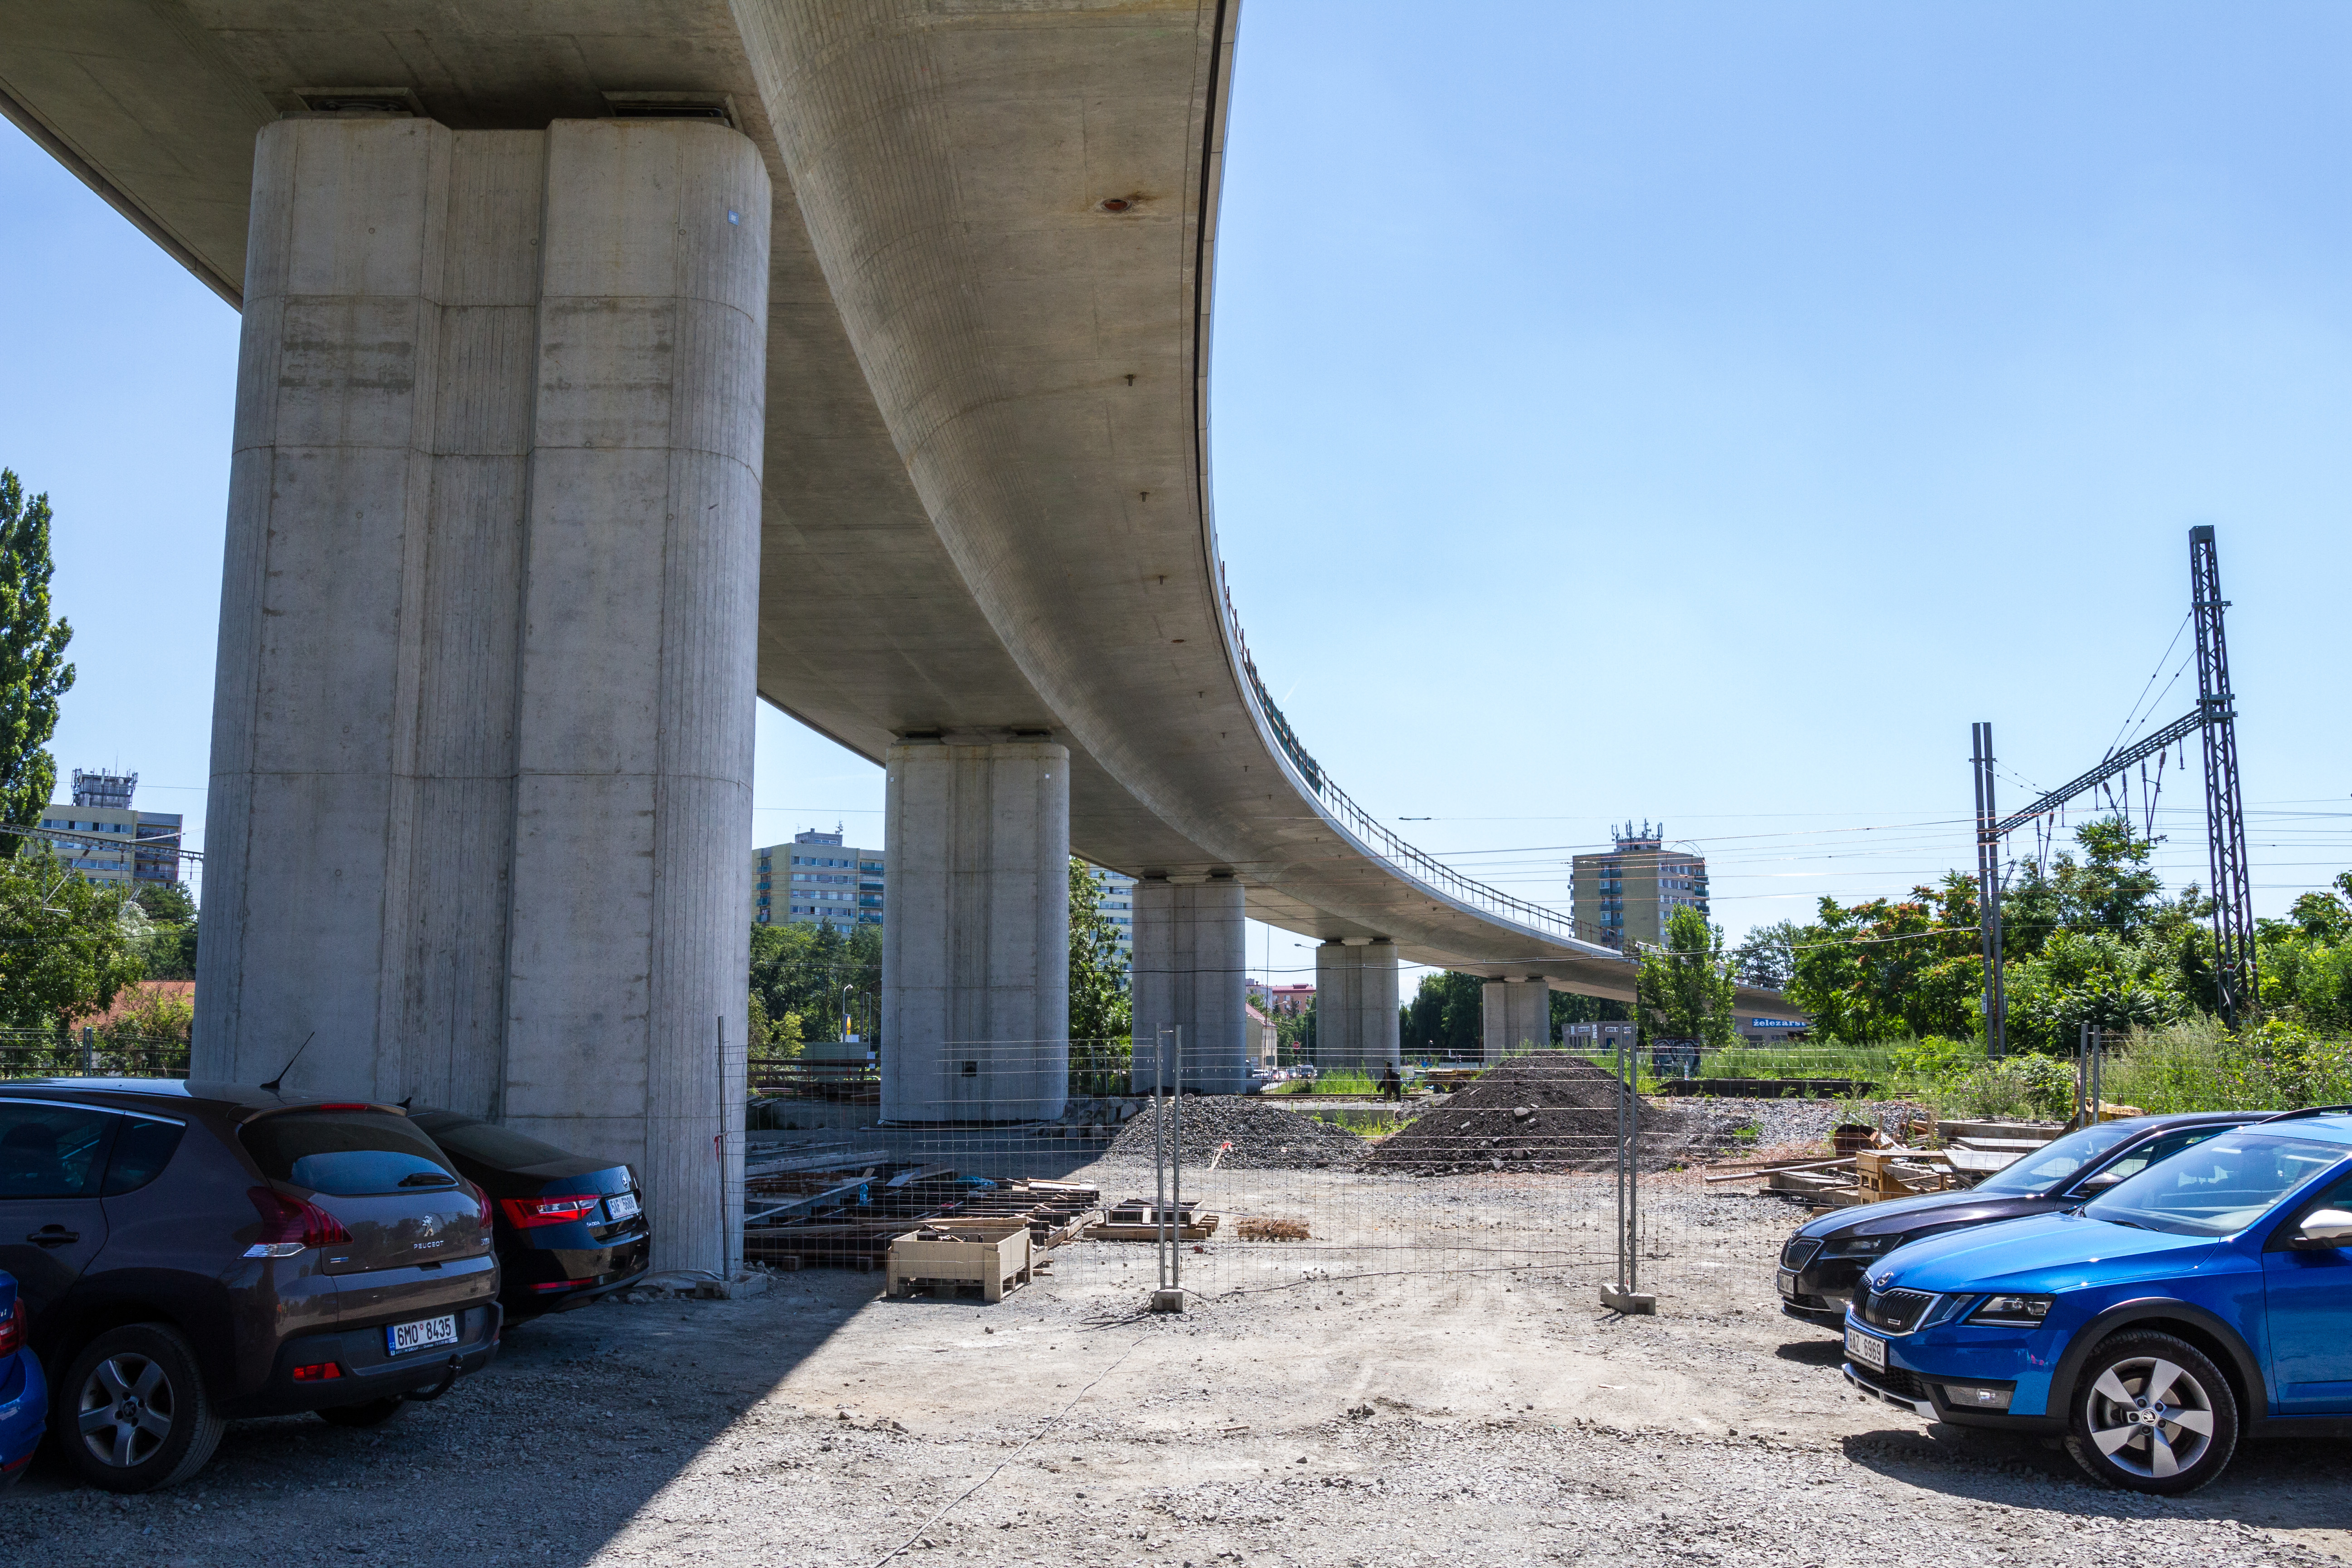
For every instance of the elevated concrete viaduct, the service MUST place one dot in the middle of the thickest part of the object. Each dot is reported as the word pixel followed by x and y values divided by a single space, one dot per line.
pixel 581 340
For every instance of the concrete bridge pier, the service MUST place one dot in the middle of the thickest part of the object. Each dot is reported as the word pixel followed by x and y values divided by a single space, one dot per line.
pixel 1356 1023
pixel 482 766
pixel 1190 971
pixel 975 955
pixel 1516 1016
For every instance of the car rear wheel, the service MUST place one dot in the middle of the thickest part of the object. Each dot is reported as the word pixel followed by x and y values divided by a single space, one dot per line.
pixel 140 1419
pixel 2153 1414
pixel 374 1413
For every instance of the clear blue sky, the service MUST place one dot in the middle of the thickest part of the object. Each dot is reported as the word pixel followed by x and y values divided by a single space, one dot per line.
pixel 1702 413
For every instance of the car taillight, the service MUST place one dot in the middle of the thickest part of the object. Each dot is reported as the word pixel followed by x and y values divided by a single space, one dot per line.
pixel 528 1212
pixel 482 1208
pixel 13 1329
pixel 321 1372
pixel 290 1224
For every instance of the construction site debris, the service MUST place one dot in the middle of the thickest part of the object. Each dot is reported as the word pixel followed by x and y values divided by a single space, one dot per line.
pixel 1547 1111
pixel 1257 1228
pixel 1770 1087
pixel 1241 1133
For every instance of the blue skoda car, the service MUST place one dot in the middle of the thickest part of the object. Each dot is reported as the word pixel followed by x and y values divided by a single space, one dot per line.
pixel 2204 1298
pixel 24 1397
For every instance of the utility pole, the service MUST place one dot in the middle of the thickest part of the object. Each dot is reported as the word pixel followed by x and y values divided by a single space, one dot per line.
pixel 1989 841
pixel 2225 816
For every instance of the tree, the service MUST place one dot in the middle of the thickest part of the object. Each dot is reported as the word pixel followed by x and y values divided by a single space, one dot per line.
pixel 167 949
pixel 1100 1005
pixel 156 1013
pixel 803 971
pixel 65 949
pixel 1294 1036
pixel 1878 970
pixel 1766 957
pixel 1446 1016
pixel 1685 987
pixel 33 671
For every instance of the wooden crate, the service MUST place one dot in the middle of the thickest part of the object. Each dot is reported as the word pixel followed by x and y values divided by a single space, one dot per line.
pixel 993 1254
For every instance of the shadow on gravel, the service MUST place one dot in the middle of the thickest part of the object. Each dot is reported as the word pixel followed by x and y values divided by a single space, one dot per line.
pixel 2277 1483
pixel 1813 1352
pixel 584 1420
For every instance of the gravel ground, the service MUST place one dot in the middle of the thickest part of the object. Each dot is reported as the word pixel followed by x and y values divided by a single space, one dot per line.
pixel 1345 1412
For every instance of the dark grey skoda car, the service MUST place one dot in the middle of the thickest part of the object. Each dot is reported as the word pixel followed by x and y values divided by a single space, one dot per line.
pixel 1822 1262
pixel 190 1253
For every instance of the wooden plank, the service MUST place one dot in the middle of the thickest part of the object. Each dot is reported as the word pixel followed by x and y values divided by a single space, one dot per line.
pixel 1109 1232
pixel 1782 1170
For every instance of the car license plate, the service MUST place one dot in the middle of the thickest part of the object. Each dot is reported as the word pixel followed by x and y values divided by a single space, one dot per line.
pixel 1867 1348
pixel 423 1334
pixel 621 1206
pixel 1787 1280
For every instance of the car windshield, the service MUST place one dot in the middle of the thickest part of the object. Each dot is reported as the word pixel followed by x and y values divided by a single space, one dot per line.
pixel 2221 1186
pixel 2058 1161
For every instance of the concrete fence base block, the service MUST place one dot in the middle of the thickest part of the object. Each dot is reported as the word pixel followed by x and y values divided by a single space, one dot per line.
pixel 1634 1303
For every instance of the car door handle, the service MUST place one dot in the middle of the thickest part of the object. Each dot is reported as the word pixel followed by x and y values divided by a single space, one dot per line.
pixel 54 1236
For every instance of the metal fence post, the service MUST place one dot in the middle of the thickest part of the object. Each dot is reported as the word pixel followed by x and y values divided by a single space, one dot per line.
pixel 1626 1294
pixel 1168 1173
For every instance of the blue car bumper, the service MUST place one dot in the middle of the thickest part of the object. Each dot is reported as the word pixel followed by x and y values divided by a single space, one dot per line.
pixel 1968 1376
pixel 24 1411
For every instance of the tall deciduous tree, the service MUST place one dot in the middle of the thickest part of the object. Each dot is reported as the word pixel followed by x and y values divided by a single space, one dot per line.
pixel 1446 1017
pixel 33 670
pixel 1101 1009
pixel 1685 989
pixel 66 952
pixel 1767 957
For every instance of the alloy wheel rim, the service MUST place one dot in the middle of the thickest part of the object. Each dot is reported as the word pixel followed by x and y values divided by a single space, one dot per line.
pixel 2150 1417
pixel 126 1411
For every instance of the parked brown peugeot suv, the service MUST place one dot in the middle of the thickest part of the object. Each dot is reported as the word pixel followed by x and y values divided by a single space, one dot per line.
pixel 191 1253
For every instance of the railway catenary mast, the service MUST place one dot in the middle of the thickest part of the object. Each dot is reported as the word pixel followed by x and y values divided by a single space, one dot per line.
pixel 2215 717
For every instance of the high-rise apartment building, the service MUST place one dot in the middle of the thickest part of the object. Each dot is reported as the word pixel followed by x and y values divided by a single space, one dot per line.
pixel 1628 895
pixel 113 843
pixel 1116 899
pixel 816 879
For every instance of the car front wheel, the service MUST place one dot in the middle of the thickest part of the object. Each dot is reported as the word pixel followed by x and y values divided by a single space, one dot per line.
pixel 2153 1414
pixel 140 1418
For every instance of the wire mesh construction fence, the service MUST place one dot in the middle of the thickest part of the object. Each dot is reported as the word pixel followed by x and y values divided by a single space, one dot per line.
pixel 89 1053
pixel 1522 1169
pixel 1602 1167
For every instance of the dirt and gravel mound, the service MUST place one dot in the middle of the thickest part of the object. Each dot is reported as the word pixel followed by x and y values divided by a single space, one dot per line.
pixel 1265 1137
pixel 1545 1112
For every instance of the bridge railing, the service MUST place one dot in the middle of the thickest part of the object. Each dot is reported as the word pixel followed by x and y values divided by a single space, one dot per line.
pixel 1382 841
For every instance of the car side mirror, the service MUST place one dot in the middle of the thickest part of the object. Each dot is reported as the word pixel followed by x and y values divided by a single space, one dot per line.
pixel 2321 1229
pixel 2102 1182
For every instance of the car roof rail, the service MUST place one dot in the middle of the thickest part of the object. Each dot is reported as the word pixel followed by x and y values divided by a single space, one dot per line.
pixel 2306 1110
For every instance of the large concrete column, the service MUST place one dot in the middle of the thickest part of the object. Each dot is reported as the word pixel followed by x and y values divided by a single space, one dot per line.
pixel 976 953
pixel 1190 974
pixel 1356 1023
pixel 1516 1016
pixel 482 724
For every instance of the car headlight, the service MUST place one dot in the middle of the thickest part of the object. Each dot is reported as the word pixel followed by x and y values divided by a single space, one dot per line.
pixel 2012 1311
pixel 1861 1246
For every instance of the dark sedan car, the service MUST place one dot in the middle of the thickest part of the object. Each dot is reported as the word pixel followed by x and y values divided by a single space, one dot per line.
pixel 569 1229
pixel 1820 1265
pixel 190 1253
